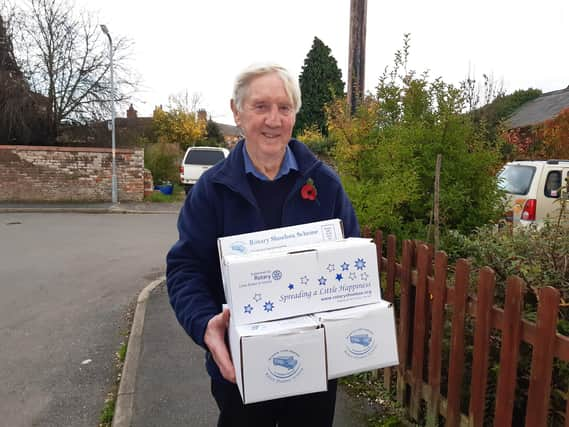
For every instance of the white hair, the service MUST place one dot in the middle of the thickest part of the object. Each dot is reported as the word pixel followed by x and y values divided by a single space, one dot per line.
pixel 245 77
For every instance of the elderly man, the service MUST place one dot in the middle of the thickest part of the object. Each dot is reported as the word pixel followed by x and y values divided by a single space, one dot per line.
pixel 269 180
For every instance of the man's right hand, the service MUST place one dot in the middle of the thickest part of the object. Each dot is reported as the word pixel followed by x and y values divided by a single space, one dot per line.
pixel 214 338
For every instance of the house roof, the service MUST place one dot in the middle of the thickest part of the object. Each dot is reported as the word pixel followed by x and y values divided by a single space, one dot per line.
pixel 540 109
pixel 229 130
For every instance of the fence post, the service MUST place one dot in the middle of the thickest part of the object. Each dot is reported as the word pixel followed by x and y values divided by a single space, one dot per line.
pixel 404 318
pixel 435 347
pixel 509 353
pixel 379 250
pixel 391 268
pixel 542 357
pixel 390 292
pixel 420 329
pixel 481 351
pixel 456 363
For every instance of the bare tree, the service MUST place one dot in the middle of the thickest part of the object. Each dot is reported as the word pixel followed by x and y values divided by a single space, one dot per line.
pixel 183 101
pixel 19 118
pixel 65 57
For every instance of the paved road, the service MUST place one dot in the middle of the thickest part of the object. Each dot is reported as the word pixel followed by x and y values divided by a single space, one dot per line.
pixel 66 281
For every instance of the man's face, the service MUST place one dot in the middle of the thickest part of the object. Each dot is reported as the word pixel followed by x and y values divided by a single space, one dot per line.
pixel 267 118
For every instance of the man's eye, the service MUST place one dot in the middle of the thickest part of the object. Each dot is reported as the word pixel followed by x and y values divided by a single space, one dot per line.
pixel 285 109
pixel 261 107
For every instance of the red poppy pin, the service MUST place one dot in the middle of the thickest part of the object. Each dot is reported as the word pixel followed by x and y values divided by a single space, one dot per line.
pixel 308 190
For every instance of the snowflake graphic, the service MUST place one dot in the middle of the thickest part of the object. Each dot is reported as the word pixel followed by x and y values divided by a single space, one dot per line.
pixel 360 264
pixel 268 306
pixel 339 277
pixel 257 297
pixel 353 275
pixel 248 309
pixel 322 281
pixel 364 276
pixel 330 267
pixel 345 266
pixel 291 286
pixel 304 280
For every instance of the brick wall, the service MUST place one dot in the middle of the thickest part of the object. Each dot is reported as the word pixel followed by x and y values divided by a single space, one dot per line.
pixel 70 174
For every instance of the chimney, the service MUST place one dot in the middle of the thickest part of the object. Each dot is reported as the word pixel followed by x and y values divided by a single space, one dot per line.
pixel 131 113
pixel 202 115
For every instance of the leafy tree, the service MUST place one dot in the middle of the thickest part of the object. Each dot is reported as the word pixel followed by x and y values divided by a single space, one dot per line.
pixel 178 126
pixel 213 135
pixel 320 81
pixel 386 155
pixel 65 58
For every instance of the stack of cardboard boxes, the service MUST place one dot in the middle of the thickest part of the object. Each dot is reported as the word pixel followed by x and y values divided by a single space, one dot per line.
pixel 305 307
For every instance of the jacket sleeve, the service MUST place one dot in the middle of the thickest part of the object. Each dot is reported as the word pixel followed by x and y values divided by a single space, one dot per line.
pixel 192 265
pixel 345 211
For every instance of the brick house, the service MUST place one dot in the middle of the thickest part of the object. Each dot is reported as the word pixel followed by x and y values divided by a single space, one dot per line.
pixel 129 130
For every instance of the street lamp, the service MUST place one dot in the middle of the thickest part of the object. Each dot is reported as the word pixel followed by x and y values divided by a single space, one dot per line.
pixel 114 164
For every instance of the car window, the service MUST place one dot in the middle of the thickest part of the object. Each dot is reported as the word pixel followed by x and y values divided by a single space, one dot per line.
pixel 516 179
pixel 553 184
pixel 204 157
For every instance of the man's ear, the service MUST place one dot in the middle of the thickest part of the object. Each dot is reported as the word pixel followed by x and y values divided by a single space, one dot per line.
pixel 236 115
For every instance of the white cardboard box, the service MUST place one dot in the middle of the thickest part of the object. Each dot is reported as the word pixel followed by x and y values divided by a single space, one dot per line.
pixel 284 237
pixel 359 339
pixel 279 358
pixel 289 282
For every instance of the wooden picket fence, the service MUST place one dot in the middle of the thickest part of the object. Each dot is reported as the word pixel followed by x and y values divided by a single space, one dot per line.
pixel 423 297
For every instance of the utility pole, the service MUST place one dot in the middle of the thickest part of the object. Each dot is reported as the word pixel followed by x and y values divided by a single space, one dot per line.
pixel 114 186
pixel 356 66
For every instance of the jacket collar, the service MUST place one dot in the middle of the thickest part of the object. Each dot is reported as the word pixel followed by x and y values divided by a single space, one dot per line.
pixel 232 172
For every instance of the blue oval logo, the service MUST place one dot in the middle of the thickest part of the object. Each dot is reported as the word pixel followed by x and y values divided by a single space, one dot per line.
pixel 360 342
pixel 239 247
pixel 284 365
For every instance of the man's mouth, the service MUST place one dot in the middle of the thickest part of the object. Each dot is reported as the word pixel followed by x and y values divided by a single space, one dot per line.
pixel 270 135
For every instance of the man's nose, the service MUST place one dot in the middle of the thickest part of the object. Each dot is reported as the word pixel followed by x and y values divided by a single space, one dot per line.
pixel 273 117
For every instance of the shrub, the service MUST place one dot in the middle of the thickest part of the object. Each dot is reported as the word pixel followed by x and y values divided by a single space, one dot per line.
pixel 319 144
pixel 539 256
pixel 386 156
pixel 163 161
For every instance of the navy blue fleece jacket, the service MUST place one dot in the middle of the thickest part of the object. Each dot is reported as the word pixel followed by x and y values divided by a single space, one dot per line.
pixel 222 204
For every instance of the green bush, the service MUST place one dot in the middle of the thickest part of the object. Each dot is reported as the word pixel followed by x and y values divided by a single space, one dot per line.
pixel 319 144
pixel 163 160
pixel 386 155
pixel 541 258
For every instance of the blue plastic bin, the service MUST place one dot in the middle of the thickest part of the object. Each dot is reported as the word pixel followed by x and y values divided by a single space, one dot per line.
pixel 165 188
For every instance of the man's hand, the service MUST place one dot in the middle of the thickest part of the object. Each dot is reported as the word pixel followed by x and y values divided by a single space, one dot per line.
pixel 214 338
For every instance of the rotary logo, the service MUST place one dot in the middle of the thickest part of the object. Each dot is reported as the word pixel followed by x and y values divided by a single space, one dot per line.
pixel 239 247
pixel 360 343
pixel 277 275
pixel 284 365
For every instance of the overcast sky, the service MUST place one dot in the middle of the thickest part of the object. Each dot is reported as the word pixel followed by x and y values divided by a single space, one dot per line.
pixel 199 46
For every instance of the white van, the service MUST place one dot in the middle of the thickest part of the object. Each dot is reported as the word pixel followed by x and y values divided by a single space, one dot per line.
pixel 533 189
pixel 196 161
